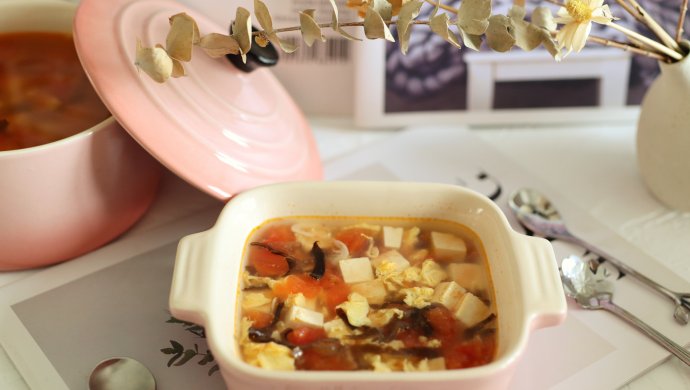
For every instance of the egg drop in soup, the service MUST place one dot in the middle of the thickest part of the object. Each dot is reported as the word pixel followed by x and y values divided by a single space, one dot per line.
pixel 365 294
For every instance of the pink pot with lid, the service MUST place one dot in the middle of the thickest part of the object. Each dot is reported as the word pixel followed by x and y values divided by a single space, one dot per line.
pixel 65 198
pixel 220 129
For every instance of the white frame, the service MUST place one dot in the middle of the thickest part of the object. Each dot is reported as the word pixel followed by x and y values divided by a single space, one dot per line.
pixel 369 108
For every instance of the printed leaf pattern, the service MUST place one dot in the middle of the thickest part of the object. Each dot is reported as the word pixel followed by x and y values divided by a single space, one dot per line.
pixel 181 355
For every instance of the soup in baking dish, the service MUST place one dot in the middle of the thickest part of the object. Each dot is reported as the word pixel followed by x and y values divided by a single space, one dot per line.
pixel 365 294
pixel 44 93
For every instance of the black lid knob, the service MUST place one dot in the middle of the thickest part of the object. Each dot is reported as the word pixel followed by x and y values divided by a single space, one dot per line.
pixel 256 58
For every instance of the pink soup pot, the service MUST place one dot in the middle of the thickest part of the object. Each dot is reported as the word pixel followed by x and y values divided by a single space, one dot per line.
pixel 68 197
pixel 208 267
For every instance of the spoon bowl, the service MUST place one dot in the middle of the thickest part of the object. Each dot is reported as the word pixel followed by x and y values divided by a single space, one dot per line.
pixel 536 213
pixel 121 373
pixel 593 291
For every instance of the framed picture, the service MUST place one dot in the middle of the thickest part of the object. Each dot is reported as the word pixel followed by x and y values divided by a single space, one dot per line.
pixel 436 82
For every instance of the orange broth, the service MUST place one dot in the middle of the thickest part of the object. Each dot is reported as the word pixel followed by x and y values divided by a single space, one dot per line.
pixel 44 93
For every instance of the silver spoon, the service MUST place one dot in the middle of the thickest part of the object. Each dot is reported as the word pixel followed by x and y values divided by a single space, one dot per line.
pixel 535 212
pixel 593 291
pixel 121 374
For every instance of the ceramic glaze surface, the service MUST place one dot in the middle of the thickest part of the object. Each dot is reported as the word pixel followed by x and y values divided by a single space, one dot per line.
pixel 208 268
pixel 65 198
pixel 220 129
pixel 663 136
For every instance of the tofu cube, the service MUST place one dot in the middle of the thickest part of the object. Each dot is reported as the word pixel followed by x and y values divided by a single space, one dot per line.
pixel 374 291
pixel 392 237
pixel 299 316
pixel 394 257
pixel 448 247
pixel 471 310
pixel 356 270
pixel 468 275
pixel 448 294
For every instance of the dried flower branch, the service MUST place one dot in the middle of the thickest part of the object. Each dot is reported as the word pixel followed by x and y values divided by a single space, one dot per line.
pixel 471 24
pixel 681 21
pixel 647 42
pixel 627 47
pixel 161 63
pixel 655 27
pixel 444 7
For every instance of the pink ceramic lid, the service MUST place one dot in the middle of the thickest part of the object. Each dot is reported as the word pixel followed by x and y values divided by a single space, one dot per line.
pixel 220 129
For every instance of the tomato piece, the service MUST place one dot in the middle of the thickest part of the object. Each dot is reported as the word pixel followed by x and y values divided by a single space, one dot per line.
pixel 471 353
pixel 266 263
pixel 294 284
pixel 356 240
pixel 331 289
pixel 305 335
pixel 335 290
pixel 259 319
pixel 442 322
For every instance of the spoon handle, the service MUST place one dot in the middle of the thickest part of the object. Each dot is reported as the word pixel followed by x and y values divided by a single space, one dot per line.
pixel 680 352
pixel 627 269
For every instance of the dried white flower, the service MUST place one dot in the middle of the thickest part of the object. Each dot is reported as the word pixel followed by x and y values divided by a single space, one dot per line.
pixel 577 17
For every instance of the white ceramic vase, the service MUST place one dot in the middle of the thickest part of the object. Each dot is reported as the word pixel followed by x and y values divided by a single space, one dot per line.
pixel 663 136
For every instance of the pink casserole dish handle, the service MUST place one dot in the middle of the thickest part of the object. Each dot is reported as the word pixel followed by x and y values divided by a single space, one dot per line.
pixel 190 276
pixel 545 301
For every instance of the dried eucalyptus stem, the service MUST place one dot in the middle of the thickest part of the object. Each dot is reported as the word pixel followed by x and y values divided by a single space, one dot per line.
pixel 655 27
pixel 681 21
pixel 626 47
pixel 647 42
pixel 327 25
pixel 631 11
pixel 472 26
pixel 442 6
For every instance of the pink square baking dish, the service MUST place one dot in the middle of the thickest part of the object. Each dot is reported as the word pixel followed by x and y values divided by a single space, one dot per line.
pixel 207 277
